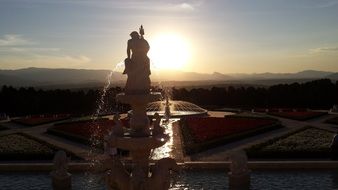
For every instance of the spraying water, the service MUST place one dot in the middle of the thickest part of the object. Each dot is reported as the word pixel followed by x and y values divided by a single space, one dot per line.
pixel 101 101
pixel 103 95
pixel 95 139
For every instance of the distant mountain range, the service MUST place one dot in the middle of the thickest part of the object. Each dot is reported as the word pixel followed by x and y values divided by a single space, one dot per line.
pixel 43 77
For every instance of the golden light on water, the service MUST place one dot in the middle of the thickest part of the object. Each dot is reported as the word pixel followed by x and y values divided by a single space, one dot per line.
pixel 165 150
pixel 169 51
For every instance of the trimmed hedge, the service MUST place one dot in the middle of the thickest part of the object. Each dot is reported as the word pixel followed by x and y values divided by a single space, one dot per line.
pixel 307 142
pixel 298 115
pixel 37 120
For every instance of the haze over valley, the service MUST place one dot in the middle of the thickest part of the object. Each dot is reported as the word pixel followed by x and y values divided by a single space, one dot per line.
pixel 76 78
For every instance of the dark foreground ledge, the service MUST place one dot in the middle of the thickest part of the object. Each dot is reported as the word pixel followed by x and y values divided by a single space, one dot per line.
pixel 253 165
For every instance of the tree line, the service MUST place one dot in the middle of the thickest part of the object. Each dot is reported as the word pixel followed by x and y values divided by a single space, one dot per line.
pixel 30 101
pixel 318 94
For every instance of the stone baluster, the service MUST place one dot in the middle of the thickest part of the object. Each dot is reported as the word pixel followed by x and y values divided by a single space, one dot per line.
pixel 61 179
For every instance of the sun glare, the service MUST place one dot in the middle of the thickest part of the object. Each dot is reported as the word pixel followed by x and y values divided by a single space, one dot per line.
pixel 169 51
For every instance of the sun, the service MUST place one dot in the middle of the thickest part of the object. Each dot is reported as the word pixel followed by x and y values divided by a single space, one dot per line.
pixel 169 51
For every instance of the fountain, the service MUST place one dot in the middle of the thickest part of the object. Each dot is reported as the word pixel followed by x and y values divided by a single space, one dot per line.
pixel 173 108
pixel 140 141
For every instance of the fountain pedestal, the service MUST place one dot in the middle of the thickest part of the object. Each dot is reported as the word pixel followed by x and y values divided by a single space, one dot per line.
pixel 139 121
pixel 140 142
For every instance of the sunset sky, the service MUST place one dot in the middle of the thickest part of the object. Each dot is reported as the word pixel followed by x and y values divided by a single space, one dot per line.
pixel 227 36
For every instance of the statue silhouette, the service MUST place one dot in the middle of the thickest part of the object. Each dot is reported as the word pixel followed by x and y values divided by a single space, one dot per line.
pixel 137 64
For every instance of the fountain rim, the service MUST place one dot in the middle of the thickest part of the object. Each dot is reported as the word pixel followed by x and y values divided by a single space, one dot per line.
pixel 179 113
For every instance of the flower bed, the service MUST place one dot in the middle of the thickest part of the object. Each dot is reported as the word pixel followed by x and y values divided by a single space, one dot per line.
pixel 202 133
pixel 19 147
pixel 41 119
pixel 332 121
pixel 305 143
pixel 298 115
pixel 84 131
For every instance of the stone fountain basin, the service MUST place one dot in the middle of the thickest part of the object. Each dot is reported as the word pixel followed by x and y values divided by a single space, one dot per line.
pixel 139 143
pixel 138 98
pixel 189 179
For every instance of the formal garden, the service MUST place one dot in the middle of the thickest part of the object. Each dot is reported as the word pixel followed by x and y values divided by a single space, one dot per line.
pixel 203 133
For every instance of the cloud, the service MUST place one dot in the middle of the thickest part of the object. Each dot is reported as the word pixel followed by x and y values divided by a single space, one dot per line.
pixel 152 5
pixel 62 59
pixel 324 50
pixel 327 4
pixel 13 40
pixel 185 6
pixel 28 50
pixel 20 52
pixel 44 61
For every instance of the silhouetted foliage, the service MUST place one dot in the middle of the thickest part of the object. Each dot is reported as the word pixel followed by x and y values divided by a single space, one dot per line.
pixel 318 94
pixel 26 101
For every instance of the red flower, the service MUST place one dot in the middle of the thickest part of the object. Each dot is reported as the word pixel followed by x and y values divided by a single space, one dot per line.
pixel 87 129
pixel 208 128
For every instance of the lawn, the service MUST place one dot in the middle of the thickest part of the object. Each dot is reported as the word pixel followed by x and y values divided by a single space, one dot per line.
pixel 202 133
pixel 306 143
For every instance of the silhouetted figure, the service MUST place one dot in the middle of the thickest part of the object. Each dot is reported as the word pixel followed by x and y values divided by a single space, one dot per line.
pixel 137 64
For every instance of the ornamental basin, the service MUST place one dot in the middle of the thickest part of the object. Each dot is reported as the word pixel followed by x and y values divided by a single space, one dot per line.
pixel 138 98
pixel 139 143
